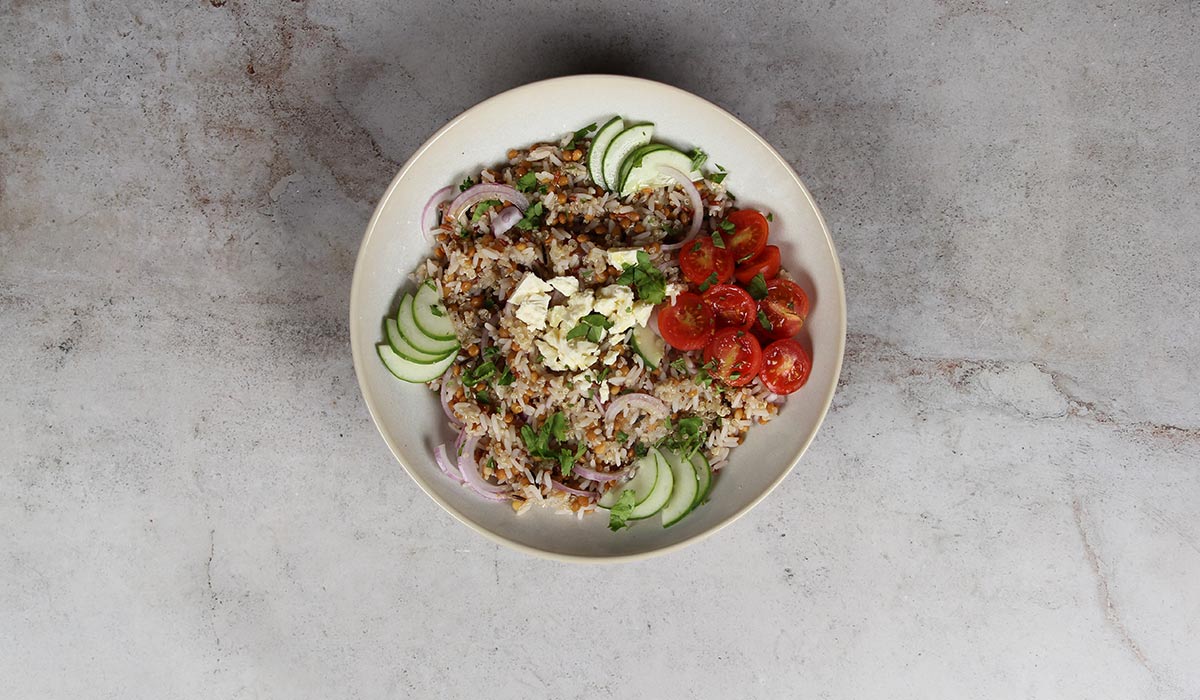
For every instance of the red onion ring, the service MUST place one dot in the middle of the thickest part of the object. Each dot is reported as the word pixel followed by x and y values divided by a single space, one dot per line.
pixel 697 205
pixel 454 421
pixel 646 402
pixel 506 219
pixel 567 489
pixel 600 477
pixel 470 473
pixel 443 461
pixel 479 193
pixel 437 198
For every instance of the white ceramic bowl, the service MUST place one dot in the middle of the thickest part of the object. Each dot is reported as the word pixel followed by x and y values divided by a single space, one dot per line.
pixel 409 417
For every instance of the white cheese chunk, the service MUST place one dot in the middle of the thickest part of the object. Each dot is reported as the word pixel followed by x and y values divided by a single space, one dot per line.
pixel 566 285
pixel 620 258
pixel 530 286
pixel 533 311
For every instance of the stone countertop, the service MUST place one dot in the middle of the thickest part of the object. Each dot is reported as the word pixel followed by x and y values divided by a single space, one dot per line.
pixel 1003 502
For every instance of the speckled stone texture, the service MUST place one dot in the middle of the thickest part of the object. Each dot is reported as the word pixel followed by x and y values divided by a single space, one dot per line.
pixel 1003 502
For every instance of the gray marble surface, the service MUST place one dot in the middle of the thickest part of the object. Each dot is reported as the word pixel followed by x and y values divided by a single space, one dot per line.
pixel 1003 502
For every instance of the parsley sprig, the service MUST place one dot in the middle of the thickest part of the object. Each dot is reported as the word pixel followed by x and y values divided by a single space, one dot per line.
pixel 646 279
pixel 618 515
pixel 547 443
pixel 533 217
pixel 527 182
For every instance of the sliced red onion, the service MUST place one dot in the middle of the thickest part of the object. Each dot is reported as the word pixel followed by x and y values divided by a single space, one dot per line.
pixel 567 489
pixel 506 219
pixel 697 205
pixel 470 473
pixel 442 458
pixel 446 396
pixel 431 206
pixel 479 193
pixel 646 402
pixel 653 323
pixel 600 477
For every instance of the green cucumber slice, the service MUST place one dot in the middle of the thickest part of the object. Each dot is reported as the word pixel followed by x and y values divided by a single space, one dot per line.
pixel 405 349
pixel 410 371
pixel 645 476
pixel 622 145
pixel 683 496
pixel 661 492
pixel 647 173
pixel 646 343
pixel 417 337
pixel 704 477
pixel 600 143
pixel 430 315
pixel 633 160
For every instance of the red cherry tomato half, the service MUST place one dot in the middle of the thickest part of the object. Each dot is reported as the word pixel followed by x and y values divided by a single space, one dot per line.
pixel 749 234
pixel 765 263
pixel 732 306
pixel 784 309
pixel 785 366
pixel 700 259
pixel 688 323
pixel 737 356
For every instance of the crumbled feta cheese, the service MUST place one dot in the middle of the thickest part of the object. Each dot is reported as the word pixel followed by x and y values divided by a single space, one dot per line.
pixel 621 258
pixel 566 285
pixel 533 311
pixel 530 286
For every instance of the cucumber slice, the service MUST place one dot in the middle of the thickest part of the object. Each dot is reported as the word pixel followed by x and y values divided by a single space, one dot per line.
pixel 645 476
pixel 661 492
pixel 600 143
pixel 622 145
pixel 647 344
pixel 405 349
pixel 683 496
pixel 417 337
pixel 647 173
pixel 633 160
pixel 410 371
pixel 430 315
pixel 704 478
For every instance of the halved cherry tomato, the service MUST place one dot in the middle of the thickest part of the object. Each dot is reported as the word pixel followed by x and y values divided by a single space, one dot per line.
pixel 785 366
pixel 737 355
pixel 688 323
pixel 765 263
pixel 699 259
pixel 732 306
pixel 749 234
pixel 784 309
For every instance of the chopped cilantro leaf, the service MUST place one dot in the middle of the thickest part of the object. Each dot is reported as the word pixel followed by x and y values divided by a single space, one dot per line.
pixel 727 226
pixel 764 321
pixel 757 287
pixel 717 240
pixel 466 185
pixel 618 515
pixel 482 397
pixel 527 182
pixel 482 208
pixel 640 450
pixel 717 178
pixel 506 378
pixel 645 278
pixel 580 134
pixel 533 217
pixel 708 282
pixel 479 374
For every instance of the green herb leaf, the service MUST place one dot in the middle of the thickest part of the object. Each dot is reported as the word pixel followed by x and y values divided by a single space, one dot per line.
pixel 622 436
pixel 490 352
pixel 717 240
pixel 646 279
pixel 764 321
pixel 679 364
pixel 708 282
pixel 580 134
pixel 505 378
pixel 436 310
pixel 640 450
pixel 757 287
pixel 579 331
pixel 533 217
pixel 717 178
pixel 482 208
pixel 686 436
pixel 463 231
pixel 618 515
pixel 527 182
pixel 727 226
pixel 479 374
pixel 698 158
pixel 770 216
pixel 482 397
pixel 466 185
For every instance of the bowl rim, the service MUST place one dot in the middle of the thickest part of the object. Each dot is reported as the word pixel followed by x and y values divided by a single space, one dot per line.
pixel 356 348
